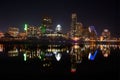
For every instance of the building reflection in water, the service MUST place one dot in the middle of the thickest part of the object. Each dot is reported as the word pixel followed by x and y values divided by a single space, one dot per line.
pixel 1 47
pixel 51 52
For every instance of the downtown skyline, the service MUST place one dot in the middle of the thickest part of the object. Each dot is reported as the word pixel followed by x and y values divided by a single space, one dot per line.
pixel 101 14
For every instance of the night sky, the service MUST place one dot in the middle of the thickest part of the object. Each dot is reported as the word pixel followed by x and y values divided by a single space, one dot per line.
pixel 99 13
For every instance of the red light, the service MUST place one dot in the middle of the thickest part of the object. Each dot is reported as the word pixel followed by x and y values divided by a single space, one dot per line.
pixel 73 70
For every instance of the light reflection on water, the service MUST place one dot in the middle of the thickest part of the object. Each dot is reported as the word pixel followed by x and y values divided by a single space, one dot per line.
pixel 76 52
pixel 34 51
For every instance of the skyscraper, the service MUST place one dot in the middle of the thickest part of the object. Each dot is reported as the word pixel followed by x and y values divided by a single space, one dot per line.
pixel 106 34
pixel 73 25
pixel 13 31
pixel 47 21
pixel 76 27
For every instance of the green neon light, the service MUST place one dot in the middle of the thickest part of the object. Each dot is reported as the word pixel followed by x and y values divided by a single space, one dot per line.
pixel 39 57
pixel 43 29
pixel 26 27
pixel 42 55
pixel 25 57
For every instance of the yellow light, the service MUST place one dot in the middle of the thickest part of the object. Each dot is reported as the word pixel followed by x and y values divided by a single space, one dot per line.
pixel 101 38
pixel 76 46
pixel 101 47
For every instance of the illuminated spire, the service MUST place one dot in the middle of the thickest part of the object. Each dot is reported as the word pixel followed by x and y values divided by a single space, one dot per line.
pixel 26 27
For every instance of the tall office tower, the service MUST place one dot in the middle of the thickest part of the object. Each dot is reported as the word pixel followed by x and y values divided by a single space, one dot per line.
pixel 13 31
pixel 47 21
pixel 93 32
pixel 58 29
pixel 79 29
pixel 74 24
pixel 106 34
pixel 46 25
pixel 31 31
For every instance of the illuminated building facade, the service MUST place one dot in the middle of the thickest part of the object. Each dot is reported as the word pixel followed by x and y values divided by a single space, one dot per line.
pixel 13 31
pixel 93 32
pixel 76 27
pixel 86 33
pixel 1 34
pixel 106 34
pixel 32 31
pixel 73 25
pixel 22 35
pixel 58 29
pixel 79 29
pixel 47 21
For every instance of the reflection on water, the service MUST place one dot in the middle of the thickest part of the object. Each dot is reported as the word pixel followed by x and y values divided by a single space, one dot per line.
pixel 48 53
pixel 78 51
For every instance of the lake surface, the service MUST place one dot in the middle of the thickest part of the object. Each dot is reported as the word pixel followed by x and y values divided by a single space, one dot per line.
pixel 78 61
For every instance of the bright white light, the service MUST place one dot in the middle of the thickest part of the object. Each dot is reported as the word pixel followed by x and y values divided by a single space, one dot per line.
pixel 16 50
pixel 55 52
pixel 105 55
pixel 67 51
pixel 89 29
pixel 89 56
pixel 82 49
pixel 58 28
pixel 92 57
pixel 105 30
pixel 58 56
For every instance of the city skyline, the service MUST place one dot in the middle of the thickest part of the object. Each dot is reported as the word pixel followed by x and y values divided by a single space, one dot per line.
pixel 101 14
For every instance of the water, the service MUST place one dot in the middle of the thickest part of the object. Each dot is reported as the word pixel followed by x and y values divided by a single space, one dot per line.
pixel 75 62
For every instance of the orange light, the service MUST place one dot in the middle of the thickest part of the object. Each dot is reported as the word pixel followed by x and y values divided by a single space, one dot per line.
pixel 75 38
pixel 101 38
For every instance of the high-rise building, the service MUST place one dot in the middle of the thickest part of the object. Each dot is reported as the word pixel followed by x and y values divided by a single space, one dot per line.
pixel 13 31
pixel 32 31
pixel 106 34
pixel 58 29
pixel 47 21
pixel 76 27
pixel 93 32
pixel 73 25
pixel 86 33
pixel 79 29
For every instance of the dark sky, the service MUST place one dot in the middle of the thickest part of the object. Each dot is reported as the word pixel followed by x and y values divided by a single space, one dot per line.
pixel 100 13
